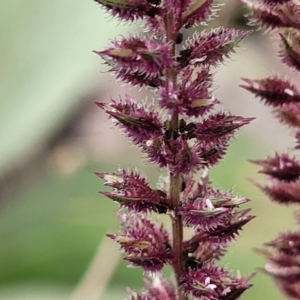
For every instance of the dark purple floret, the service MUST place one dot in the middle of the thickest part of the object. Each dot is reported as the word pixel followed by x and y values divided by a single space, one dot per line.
pixel 126 10
pixel 157 290
pixel 287 243
pixel 273 15
pixel 211 282
pixel 137 122
pixel 146 58
pixel 280 166
pixel 145 243
pixel 282 192
pixel 209 49
pixel 218 128
pixel 212 211
pixel 133 192
pixel 289 114
pixel 273 90
pixel 290 49
pixel 197 12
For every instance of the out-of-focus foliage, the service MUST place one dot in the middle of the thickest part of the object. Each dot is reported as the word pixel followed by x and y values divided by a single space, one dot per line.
pixel 46 65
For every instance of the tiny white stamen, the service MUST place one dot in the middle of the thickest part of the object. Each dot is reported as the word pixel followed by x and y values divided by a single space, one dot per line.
pixel 209 204
pixel 113 178
pixel 211 286
pixel 149 143
pixel 197 60
pixel 226 291
pixel 289 92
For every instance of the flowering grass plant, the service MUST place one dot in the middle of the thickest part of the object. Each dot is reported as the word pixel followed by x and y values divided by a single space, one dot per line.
pixel 283 170
pixel 181 132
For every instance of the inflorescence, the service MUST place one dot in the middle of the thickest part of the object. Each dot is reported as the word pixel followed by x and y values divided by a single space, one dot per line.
pixel 181 132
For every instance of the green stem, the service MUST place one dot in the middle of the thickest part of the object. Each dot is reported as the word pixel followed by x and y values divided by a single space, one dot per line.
pixel 175 181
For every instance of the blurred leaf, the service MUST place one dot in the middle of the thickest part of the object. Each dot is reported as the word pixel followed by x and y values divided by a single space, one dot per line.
pixel 46 65
pixel 52 231
pixel 29 291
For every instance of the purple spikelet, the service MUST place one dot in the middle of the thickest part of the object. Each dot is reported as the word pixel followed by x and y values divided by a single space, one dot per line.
pixel 178 132
pixel 282 170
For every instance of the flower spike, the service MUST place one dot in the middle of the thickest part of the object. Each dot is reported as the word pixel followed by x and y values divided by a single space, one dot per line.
pixel 283 170
pixel 178 132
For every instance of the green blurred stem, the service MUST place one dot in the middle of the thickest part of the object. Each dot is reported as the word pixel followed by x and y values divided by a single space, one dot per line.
pixel 175 181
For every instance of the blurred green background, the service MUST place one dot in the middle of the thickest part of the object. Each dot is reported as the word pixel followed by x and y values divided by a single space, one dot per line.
pixel 52 219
